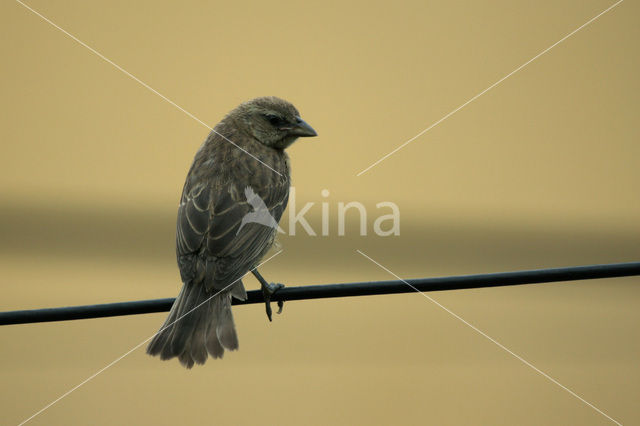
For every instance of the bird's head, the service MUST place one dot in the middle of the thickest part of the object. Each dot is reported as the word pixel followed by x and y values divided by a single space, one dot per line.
pixel 274 122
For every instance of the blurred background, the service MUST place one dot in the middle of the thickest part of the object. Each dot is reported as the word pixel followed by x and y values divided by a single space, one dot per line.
pixel 541 171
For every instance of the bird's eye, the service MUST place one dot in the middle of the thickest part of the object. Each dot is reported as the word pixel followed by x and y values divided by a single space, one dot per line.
pixel 275 120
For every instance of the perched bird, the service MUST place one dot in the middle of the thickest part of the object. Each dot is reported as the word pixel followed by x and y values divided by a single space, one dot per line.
pixel 245 150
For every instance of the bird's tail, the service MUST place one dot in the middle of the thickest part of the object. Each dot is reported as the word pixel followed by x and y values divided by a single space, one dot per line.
pixel 198 325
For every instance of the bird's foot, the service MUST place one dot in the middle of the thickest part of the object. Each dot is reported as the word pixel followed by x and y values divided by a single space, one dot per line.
pixel 269 290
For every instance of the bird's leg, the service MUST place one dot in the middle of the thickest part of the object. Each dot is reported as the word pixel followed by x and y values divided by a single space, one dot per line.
pixel 268 290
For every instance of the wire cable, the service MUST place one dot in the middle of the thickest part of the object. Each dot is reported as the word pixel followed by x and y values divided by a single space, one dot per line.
pixel 324 291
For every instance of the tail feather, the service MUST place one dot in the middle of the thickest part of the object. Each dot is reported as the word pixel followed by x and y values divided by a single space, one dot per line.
pixel 237 290
pixel 225 330
pixel 187 320
pixel 198 325
pixel 199 351
pixel 214 348
pixel 158 345
pixel 185 359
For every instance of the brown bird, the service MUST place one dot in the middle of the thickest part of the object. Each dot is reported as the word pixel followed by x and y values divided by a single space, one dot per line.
pixel 242 157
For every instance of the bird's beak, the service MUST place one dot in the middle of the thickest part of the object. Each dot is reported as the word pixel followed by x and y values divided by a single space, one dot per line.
pixel 302 129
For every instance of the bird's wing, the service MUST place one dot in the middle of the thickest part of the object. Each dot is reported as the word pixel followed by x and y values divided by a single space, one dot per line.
pixel 239 253
pixel 253 198
pixel 193 219
pixel 208 244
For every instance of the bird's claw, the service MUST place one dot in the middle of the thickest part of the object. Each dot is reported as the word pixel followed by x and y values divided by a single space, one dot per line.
pixel 269 290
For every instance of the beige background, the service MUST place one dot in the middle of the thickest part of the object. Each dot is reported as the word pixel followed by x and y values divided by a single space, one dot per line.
pixel 541 171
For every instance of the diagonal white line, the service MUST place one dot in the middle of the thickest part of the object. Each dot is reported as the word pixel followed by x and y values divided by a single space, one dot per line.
pixel 500 345
pixel 109 61
pixel 489 88
pixel 115 361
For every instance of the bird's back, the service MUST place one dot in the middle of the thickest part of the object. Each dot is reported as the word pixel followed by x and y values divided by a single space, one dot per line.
pixel 214 202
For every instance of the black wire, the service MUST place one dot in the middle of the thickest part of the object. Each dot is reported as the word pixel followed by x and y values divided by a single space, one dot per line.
pixel 338 290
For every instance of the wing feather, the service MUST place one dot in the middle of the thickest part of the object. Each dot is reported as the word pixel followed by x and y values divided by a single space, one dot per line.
pixel 208 244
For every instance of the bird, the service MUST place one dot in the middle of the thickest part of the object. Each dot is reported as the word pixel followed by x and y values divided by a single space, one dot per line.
pixel 244 154
pixel 260 213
